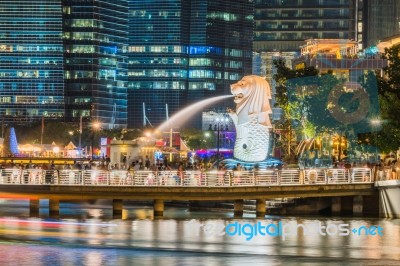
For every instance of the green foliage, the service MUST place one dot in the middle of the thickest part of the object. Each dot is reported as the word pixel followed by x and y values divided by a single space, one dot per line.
pixel 198 139
pixel 284 74
pixel 388 138
pixel 309 129
pixel 294 110
pixel 319 103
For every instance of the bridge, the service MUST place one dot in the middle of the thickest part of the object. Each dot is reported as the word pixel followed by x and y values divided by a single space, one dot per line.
pixel 160 186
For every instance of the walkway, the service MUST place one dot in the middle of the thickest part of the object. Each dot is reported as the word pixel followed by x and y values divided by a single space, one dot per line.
pixel 213 178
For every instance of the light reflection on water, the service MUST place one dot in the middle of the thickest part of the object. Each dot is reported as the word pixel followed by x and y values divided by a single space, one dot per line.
pixel 86 235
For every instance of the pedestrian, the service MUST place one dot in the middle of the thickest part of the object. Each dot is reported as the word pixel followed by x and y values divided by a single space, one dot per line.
pixel 381 171
pixel 124 162
pixel 147 163
pixel 237 174
pixel 66 166
pixel 221 174
pixel 181 174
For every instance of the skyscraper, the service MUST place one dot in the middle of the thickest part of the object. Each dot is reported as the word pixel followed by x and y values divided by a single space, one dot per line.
pixel 70 59
pixel 184 51
pixel 283 25
pixel 158 32
pixel 95 34
pixel 382 20
pixel 31 60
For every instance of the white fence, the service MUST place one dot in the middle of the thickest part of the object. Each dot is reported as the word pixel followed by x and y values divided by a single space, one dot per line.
pixel 187 178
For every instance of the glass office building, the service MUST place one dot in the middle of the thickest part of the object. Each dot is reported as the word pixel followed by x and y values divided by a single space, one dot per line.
pixel 158 32
pixel 184 51
pixel 95 34
pixel 382 20
pixel 284 25
pixel 31 60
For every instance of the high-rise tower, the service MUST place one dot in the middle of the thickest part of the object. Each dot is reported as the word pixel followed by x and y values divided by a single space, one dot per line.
pixel 382 20
pixel 285 25
pixel 95 34
pixel 184 51
pixel 31 60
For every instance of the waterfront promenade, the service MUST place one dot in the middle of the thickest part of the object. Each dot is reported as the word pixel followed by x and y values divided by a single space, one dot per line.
pixel 191 178
pixel 237 186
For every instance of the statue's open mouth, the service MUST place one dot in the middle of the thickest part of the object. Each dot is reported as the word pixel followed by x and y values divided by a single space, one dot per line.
pixel 238 97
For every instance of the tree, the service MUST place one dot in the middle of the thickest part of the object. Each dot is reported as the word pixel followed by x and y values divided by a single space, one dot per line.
pixel 389 99
pixel 320 105
pixel 292 105
pixel 198 139
pixel 13 143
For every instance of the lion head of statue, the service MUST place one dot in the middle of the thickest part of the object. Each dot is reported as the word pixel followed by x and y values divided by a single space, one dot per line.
pixel 252 95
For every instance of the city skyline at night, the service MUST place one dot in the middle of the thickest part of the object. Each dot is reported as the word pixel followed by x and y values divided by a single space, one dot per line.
pixel 129 63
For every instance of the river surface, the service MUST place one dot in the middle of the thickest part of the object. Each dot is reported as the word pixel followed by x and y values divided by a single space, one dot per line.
pixel 86 234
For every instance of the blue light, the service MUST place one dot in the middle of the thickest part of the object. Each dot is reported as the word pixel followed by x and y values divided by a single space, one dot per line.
pixel 204 50
pixel 372 50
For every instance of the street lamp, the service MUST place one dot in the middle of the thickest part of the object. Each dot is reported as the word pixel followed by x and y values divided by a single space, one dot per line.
pixel 219 124
pixel 376 123
pixel 95 127
pixel 71 133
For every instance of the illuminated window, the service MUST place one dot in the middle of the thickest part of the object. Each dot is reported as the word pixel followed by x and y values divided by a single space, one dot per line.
pixel 87 23
pixel 5 99
pixel 136 49
pixel 200 62
pixel 223 16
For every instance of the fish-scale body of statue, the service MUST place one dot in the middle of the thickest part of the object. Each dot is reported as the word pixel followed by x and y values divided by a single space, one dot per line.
pixel 251 118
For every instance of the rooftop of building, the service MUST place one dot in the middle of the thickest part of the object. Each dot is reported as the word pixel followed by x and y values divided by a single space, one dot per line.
pixel 337 47
pixel 388 42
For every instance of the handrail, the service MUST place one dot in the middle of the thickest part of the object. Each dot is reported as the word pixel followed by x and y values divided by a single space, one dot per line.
pixel 190 178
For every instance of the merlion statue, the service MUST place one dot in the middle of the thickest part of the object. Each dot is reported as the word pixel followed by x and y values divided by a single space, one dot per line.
pixel 251 118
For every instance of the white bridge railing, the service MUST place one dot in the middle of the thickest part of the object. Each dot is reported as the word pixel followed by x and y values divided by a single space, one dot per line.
pixel 189 178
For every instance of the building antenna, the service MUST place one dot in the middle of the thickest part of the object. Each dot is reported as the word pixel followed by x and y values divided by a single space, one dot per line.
pixel 145 119
pixel 144 115
pixel 114 113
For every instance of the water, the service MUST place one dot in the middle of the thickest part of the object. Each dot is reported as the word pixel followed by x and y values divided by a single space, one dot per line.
pixel 185 114
pixel 86 235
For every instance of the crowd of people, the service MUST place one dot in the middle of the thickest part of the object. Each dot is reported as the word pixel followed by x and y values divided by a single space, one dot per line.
pixel 385 170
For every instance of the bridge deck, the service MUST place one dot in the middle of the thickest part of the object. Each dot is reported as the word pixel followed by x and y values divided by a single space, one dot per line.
pixel 77 192
pixel 68 185
pixel 189 185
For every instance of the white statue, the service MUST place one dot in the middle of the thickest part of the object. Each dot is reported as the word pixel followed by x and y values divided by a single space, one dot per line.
pixel 251 119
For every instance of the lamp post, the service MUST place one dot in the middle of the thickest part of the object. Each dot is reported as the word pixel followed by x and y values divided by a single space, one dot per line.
pixel 217 127
pixel 95 127
pixel 375 125
pixel 205 140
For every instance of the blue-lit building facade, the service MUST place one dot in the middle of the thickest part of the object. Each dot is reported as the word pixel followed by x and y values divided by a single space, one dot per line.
pixel 181 52
pixel 95 36
pixel 158 62
pixel 31 60
pixel 64 59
